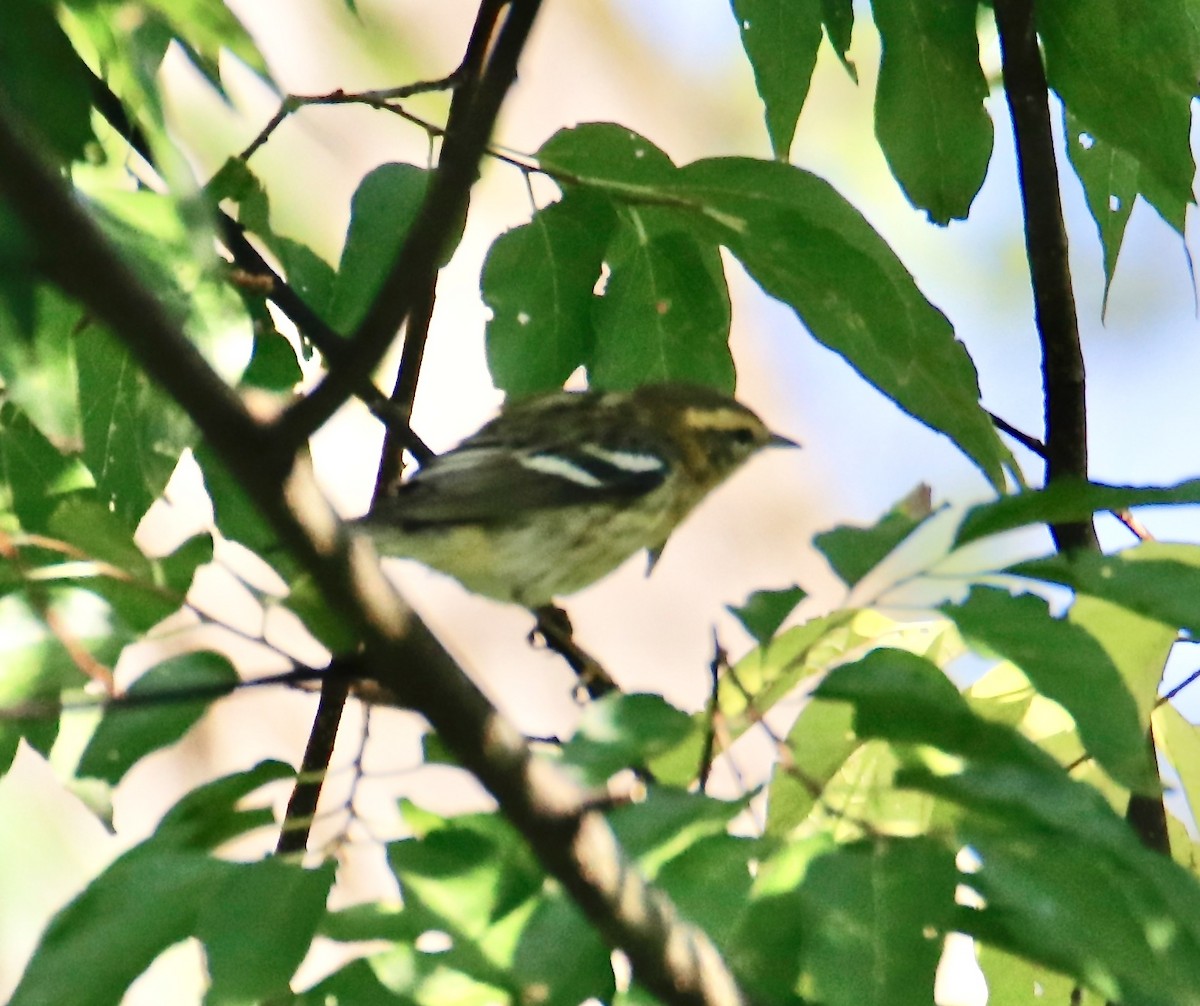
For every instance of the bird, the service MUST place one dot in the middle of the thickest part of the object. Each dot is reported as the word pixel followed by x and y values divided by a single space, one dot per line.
pixel 562 487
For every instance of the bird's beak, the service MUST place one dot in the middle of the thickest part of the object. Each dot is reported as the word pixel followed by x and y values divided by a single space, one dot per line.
pixel 777 440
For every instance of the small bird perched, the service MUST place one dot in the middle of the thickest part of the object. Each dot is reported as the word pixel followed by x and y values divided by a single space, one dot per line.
pixel 561 488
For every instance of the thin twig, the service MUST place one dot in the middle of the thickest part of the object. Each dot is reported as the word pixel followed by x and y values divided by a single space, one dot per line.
pixel 441 211
pixel 374 99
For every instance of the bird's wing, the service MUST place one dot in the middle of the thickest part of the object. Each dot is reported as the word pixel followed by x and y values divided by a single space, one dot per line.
pixel 484 484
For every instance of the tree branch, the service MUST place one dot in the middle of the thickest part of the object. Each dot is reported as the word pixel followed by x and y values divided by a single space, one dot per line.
pixel 1046 248
pixel 1062 358
pixel 672 959
pixel 441 212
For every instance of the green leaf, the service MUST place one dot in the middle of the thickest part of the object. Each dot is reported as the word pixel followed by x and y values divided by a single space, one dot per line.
pixel 43 78
pixel 258 925
pixel 1065 501
pixel 307 273
pixel 236 515
pixel 664 315
pixel 38 668
pixel 765 947
pixel 212 813
pixel 1153 579
pixel 854 551
pixel 1129 82
pixel 1122 920
pixel 1067 664
pixel 38 366
pixel 837 17
pixel 381 212
pixel 1137 646
pixel 905 699
pixel 273 366
pixel 875 914
pixel 1015 981
pixel 766 610
pixel 125 735
pixel 33 472
pixel 179 568
pixel 561 959
pixel 125 577
pixel 620 731
pixel 819 741
pixel 357 982
pixel 1110 185
pixel 468 872
pixel 541 325
pixel 805 245
pixel 929 113
pixel 604 150
pixel 145 901
pixel 306 601
pixel 132 433
pixel 1179 740
pixel 781 39
pixel 710 882
pixel 668 822
pixel 205 27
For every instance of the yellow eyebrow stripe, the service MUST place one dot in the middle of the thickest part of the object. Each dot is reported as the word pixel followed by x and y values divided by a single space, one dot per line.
pixel 716 419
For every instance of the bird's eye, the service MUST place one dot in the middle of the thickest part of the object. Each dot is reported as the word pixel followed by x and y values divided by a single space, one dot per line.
pixel 743 436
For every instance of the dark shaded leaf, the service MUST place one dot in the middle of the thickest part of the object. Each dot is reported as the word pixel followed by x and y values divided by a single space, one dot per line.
pixel 765 611
pixel 622 731
pixel 837 16
pixel 210 814
pixel 820 741
pixel 781 39
pixel 1153 579
pixel 257 927
pixel 126 735
pixel 381 212
pixel 875 915
pixel 1067 664
pixel 43 78
pixel 538 280
pixel 1110 184
pixel 561 959
pixel 665 313
pixel 34 474
pixel 1129 82
pixel 805 245
pixel 929 114
pixel 710 881
pixel 1066 501
pixel 273 366
pixel 146 901
pixel 132 433
pixel 854 551
pixel 597 150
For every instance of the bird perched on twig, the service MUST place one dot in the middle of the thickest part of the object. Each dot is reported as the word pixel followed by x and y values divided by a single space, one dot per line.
pixel 561 488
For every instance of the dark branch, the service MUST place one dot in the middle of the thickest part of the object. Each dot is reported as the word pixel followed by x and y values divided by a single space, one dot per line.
pixel 1058 328
pixel 1046 247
